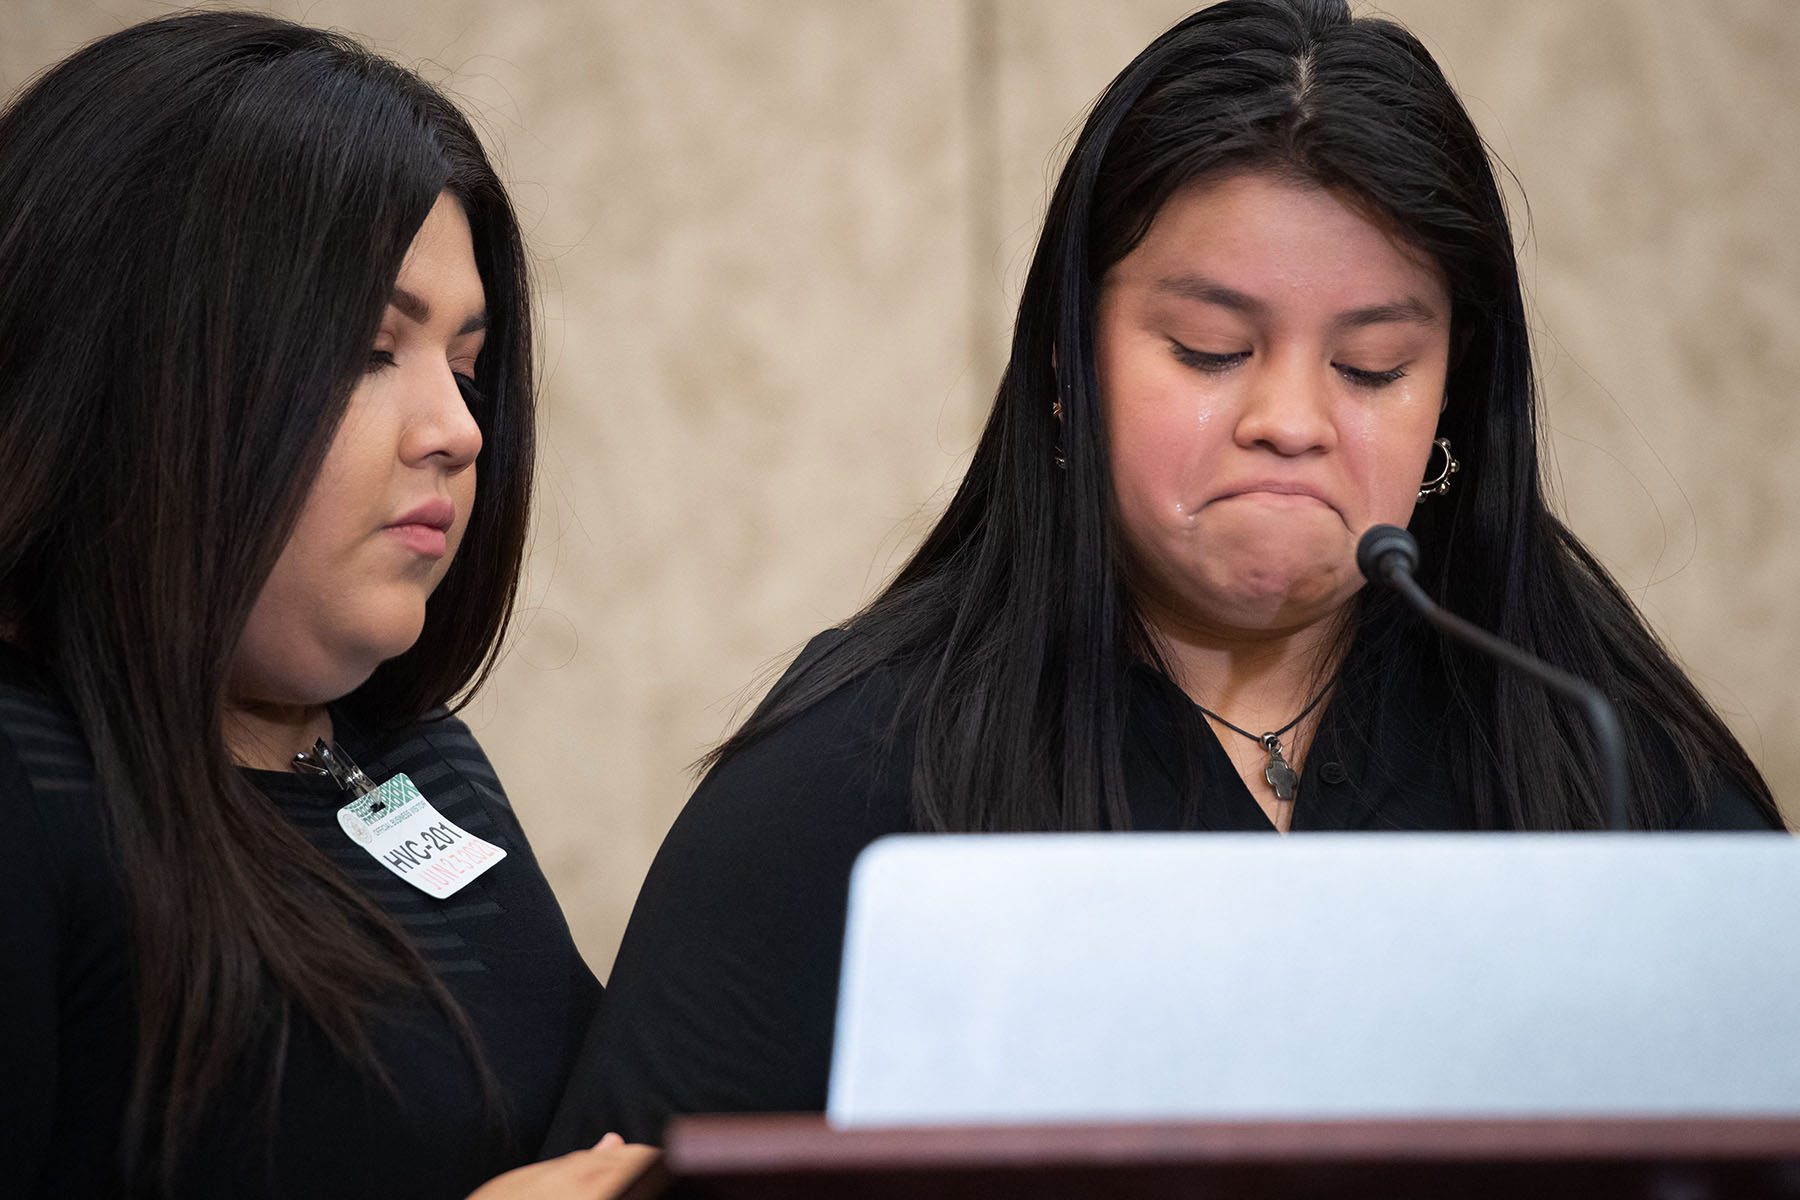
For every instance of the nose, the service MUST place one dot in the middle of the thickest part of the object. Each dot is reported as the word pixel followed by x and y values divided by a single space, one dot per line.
pixel 1287 409
pixel 442 431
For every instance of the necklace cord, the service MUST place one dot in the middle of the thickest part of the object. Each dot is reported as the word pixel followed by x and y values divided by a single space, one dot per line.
pixel 1275 733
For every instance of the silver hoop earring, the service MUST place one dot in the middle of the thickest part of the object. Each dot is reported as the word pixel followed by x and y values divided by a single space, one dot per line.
pixel 1056 454
pixel 1438 484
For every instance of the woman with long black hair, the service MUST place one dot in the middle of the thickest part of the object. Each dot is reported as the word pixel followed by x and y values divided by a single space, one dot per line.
pixel 264 318
pixel 1275 302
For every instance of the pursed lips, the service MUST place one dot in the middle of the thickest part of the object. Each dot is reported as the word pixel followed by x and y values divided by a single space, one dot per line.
pixel 1295 491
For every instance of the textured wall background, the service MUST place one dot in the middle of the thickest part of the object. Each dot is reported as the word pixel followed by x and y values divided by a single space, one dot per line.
pixel 779 243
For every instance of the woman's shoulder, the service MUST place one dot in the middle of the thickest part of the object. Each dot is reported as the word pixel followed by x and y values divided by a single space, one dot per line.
pixel 1721 804
pixel 32 707
pixel 837 709
pixel 824 759
pixel 1695 784
pixel 746 899
pixel 66 1006
pixel 60 878
pixel 47 797
pixel 438 747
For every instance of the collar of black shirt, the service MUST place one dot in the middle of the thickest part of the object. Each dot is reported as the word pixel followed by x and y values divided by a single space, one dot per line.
pixel 1377 762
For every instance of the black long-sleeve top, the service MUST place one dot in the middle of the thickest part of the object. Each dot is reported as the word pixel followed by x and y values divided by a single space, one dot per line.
pixel 67 1021
pixel 724 993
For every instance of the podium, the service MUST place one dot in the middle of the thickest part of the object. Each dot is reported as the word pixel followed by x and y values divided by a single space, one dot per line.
pixel 763 1157
pixel 1385 1016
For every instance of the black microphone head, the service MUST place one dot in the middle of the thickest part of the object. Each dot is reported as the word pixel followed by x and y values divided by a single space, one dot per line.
pixel 1382 543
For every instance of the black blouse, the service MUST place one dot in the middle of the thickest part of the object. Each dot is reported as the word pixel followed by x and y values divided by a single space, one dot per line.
pixel 500 945
pixel 724 993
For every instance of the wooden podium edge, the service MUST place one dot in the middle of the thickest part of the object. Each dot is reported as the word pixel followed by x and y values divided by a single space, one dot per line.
pixel 806 1144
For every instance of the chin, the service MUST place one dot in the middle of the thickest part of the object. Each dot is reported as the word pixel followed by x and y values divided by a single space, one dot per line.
pixel 1268 595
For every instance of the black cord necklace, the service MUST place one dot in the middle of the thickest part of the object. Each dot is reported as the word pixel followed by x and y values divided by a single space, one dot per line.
pixel 1280 775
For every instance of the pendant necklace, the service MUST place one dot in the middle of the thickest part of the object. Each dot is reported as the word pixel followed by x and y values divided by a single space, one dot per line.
pixel 1277 771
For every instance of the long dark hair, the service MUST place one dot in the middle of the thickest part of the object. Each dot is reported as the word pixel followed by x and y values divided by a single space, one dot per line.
pixel 1015 612
pixel 201 221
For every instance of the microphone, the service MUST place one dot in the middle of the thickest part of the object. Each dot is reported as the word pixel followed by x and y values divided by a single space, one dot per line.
pixel 1388 555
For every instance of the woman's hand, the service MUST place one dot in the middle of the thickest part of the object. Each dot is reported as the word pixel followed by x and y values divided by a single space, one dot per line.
pixel 602 1171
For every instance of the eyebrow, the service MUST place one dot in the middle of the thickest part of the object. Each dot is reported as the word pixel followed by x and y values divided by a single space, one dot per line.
pixel 416 309
pixel 1407 309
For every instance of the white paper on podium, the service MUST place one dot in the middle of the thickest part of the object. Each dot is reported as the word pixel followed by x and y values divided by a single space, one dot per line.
pixel 1215 977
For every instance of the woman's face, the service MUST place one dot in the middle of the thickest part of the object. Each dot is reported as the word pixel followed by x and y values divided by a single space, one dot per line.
pixel 387 512
pixel 1272 367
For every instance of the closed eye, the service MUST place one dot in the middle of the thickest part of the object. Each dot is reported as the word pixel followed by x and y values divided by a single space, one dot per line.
pixel 1371 379
pixel 1213 363
pixel 1203 360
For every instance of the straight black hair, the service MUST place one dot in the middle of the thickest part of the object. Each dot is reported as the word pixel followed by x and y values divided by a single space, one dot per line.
pixel 1016 608
pixel 201 221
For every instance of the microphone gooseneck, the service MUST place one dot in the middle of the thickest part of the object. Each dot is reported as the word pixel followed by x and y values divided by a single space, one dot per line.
pixel 1387 555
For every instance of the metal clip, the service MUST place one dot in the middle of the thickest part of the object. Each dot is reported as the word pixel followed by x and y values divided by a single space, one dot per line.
pixel 326 758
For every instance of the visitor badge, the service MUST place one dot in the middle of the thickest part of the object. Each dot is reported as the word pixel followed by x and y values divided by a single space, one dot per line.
pixel 402 830
pixel 406 834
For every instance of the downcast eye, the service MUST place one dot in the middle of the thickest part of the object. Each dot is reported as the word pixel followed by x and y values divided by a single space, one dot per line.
pixel 1204 360
pixel 1370 379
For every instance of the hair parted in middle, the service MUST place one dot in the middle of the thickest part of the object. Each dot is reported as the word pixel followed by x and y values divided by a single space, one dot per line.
pixel 1017 611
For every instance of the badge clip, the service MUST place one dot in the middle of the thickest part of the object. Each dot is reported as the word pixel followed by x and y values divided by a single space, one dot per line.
pixel 327 758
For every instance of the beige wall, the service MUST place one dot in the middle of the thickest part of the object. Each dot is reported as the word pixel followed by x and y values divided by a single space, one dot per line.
pixel 778 244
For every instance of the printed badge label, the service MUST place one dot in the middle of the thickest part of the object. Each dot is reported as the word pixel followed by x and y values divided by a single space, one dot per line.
pixel 399 827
